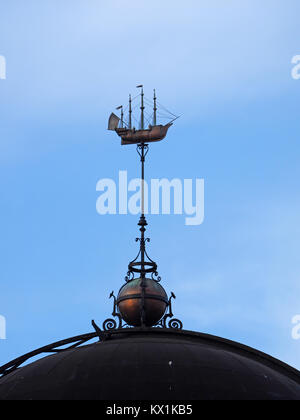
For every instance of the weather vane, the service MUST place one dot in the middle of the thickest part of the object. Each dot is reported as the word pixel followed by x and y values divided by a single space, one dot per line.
pixel 142 301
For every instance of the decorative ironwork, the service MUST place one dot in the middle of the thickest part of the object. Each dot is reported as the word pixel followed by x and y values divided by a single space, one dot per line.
pixel 157 279
pixel 142 268
pixel 111 324
pixel 175 324
pixel 50 349
pixel 167 321
pixel 172 323
pixel 142 150
pixel 142 264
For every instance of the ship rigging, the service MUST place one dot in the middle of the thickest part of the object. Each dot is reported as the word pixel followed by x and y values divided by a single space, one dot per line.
pixel 148 129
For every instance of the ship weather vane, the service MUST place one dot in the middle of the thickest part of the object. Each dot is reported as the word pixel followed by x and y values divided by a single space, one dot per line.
pixel 142 301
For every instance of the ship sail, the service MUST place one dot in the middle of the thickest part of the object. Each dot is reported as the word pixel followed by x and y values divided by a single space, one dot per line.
pixel 113 122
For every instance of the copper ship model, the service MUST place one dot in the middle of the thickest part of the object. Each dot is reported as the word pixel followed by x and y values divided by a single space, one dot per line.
pixel 129 134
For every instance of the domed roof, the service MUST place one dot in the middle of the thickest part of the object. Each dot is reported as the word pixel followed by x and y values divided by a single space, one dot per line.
pixel 154 364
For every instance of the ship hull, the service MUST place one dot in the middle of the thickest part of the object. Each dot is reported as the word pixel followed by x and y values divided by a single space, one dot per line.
pixel 153 134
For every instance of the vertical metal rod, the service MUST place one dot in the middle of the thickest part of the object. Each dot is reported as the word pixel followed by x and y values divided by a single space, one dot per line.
pixel 154 109
pixel 143 181
pixel 142 223
pixel 142 110
pixel 130 113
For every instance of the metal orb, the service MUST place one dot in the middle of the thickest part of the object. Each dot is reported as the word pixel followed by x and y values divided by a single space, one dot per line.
pixel 130 302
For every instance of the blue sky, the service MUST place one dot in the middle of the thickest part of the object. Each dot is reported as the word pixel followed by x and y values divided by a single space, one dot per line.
pixel 225 67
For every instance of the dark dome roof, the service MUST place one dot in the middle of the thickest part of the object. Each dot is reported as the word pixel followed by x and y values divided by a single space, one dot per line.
pixel 154 364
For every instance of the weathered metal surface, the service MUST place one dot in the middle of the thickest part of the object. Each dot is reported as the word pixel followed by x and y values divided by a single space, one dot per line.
pixel 130 302
pixel 153 134
pixel 155 364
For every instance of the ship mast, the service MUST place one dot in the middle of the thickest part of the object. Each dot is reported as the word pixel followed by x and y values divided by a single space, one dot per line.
pixel 142 106
pixel 154 109
pixel 130 113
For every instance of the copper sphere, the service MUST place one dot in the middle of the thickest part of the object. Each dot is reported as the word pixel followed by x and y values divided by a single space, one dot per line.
pixel 130 302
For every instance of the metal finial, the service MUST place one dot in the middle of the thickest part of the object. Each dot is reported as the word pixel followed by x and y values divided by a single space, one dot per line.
pixel 134 303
